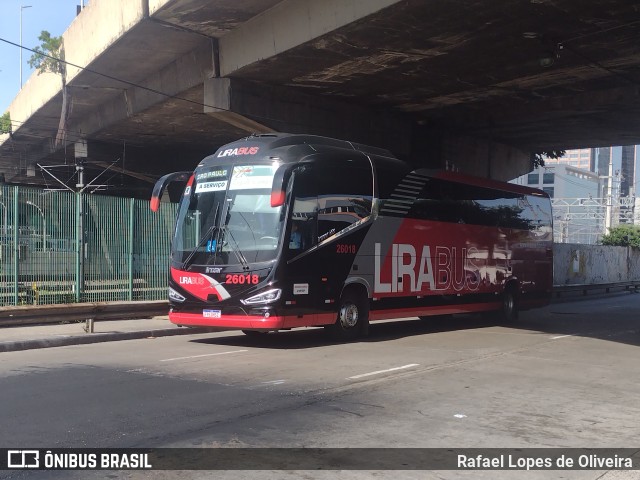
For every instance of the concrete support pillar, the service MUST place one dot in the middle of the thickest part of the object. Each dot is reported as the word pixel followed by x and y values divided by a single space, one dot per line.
pixel 218 103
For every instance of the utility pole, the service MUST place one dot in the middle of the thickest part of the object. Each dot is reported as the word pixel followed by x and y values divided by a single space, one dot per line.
pixel 80 153
pixel 609 198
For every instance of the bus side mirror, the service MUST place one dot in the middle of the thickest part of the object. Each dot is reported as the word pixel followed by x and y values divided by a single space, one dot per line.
pixel 279 186
pixel 161 184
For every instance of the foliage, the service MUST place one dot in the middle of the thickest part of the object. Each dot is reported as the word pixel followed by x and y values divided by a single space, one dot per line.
pixel 47 56
pixel 537 158
pixel 5 123
pixel 623 236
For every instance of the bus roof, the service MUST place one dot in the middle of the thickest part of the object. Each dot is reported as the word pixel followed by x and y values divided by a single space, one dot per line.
pixel 257 146
pixel 484 182
pixel 290 147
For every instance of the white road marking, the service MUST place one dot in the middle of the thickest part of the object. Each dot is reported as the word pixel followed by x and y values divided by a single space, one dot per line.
pixel 561 336
pixel 383 371
pixel 205 355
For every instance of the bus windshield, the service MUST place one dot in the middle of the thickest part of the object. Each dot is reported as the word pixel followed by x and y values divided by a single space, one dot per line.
pixel 226 218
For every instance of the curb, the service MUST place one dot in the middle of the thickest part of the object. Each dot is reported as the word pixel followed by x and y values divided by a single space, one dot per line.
pixel 97 338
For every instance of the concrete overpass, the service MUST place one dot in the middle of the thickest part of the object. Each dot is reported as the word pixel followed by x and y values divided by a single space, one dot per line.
pixel 480 84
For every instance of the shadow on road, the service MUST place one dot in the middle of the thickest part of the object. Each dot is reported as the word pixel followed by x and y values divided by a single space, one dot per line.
pixel 612 318
pixel 378 332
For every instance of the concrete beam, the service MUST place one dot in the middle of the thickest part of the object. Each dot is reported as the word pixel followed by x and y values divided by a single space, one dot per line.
pixel 289 24
pixel 262 108
pixel 88 36
pixel 287 110
pixel 218 103
pixel 179 76
pixel 450 150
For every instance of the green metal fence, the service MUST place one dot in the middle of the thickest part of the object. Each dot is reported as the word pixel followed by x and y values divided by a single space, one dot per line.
pixel 64 247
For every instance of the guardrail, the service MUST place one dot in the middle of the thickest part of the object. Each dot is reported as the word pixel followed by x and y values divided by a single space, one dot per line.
pixel 80 312
pixel 584 289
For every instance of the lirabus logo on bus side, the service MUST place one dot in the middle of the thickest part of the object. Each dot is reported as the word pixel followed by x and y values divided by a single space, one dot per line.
pixel 411 274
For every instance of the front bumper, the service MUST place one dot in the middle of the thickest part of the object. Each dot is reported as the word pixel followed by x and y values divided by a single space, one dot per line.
pixel 242 322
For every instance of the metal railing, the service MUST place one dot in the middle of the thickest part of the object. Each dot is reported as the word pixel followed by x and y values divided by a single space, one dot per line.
pixel 61 247
pixel 585 220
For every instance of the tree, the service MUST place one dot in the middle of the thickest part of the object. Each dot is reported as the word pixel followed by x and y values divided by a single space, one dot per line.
pixel 537 158
pixel 623 236
pixel 5 123
pixel 49 57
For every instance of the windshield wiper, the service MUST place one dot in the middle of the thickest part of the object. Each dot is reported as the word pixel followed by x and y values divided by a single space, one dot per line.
pixel 236 249
pixel 192 253
pixel 207 234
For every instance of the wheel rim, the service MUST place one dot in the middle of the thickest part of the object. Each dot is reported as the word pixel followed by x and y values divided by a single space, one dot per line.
pixel 349 315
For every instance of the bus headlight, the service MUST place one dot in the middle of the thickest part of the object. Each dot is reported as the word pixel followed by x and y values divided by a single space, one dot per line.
pixel 175 296
pixel 269 296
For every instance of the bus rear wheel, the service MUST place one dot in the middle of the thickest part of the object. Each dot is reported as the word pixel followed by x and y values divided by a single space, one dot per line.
pixel 353 317
pixel 509 310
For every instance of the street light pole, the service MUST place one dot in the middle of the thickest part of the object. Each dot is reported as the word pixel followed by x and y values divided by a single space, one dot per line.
pixel 22 7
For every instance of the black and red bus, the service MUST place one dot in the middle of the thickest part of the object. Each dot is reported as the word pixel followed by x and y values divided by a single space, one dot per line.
pixel 279 231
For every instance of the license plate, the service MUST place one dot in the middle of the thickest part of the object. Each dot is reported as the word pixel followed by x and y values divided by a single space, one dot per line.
pixel 211 313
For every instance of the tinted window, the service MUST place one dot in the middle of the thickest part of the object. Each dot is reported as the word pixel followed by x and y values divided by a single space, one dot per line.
pixel 533 179
pixel 344 197
pixel 536 211
pixel 327 200
pixel 302 232
pixel 467 204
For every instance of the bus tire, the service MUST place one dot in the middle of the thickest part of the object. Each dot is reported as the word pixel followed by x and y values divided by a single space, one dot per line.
pixel 509 310
pixel 353 317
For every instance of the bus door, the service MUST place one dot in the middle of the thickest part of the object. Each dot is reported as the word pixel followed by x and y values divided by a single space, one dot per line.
pixel 328 202
pixel 344 202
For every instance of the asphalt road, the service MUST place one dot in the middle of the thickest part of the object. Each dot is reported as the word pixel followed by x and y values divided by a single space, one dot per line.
pixel 563 376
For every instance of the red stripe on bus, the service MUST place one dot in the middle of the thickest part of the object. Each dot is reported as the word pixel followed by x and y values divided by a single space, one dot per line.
pixel 224 321
pixel 252 322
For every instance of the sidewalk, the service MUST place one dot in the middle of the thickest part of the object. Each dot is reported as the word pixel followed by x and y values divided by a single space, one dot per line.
pixel 57 335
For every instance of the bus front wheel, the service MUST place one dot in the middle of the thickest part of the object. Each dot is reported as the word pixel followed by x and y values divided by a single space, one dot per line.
pixel 353 317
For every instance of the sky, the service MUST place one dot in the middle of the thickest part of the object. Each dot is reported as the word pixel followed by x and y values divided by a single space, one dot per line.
pixel 54 16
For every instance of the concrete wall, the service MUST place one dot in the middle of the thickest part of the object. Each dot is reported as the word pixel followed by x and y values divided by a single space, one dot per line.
pixel 590 264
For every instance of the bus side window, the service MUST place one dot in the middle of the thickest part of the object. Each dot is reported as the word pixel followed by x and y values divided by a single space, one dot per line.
pixel 344 198
pixel 296 240
pixel 302 228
